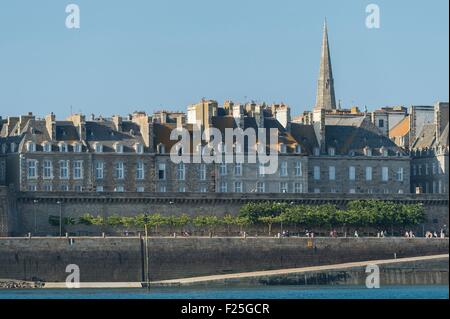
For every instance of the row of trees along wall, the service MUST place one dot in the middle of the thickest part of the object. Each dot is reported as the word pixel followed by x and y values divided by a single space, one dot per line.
pixel 261 218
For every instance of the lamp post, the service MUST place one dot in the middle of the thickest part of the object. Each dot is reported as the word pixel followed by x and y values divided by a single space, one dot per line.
pixel 60 217
pixel 147 279
pixel 35 217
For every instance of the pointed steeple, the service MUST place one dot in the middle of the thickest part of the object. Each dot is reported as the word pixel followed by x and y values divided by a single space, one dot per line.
pixel 325 88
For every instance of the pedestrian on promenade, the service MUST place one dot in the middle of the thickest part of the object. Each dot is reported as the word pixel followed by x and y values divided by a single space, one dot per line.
pixel 356 234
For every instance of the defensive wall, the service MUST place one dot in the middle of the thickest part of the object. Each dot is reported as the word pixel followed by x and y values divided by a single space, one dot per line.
pixel 123 259
pixel 30 211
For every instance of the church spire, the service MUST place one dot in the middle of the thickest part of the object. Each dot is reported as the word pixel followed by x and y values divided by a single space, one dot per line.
pixel 325 89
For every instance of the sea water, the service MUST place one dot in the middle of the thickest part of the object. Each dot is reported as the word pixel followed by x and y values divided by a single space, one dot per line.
pixel 272 292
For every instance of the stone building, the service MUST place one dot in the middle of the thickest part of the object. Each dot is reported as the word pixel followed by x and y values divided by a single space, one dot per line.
pixel 429 155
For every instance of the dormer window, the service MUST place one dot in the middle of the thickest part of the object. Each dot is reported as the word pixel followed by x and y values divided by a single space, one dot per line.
pixel 368 151
pixel 3 148
pixel 332 151
pixel 98 148
pixel 63 148
pixel 47 147
pixel 384 152
pixel 77 148
pixel 119 148
pixel 31 147
pixel 161 149
pixel 139 148
pixel 283 148
pixel 316 151
pixel 298 149
pixel 13 147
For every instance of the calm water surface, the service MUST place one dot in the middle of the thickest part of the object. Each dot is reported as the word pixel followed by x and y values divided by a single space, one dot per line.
pixel 393 292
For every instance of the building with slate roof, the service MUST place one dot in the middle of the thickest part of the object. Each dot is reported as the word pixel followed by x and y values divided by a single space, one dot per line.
pixel 329 150
pixel 429 154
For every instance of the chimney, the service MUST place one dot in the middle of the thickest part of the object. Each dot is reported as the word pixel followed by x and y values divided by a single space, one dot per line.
pixel 145 126
pixel 319 118
pixel 24 120
pixel 50 124
pixel 10 124
pixel 440 118
pixel 117 120
pixel 79 121
pixel 180 121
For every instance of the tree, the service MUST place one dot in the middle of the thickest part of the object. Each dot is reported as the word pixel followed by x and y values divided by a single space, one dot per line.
pixel 229 221
pixel 269 221
pixel 114 221
pixel 180 221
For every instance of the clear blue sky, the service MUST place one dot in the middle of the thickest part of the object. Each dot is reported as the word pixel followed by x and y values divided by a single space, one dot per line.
pixel 153 54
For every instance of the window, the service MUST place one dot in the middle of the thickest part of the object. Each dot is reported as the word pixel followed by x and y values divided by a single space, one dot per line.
pixel 261 170
pixel 400 191
pixel 63 148
pixel 238 187
pixel 352 173
pixel 64 188
pixel 181 189
pixel 370 191
pixel 181 172
pixel 119 189
pixel 386 191
pixel 140 189
pixel 13 147
pixel 98 148
pixel 352 191
pixel 119 148
pixel 31 147
pixel 99 170
pixel 284 188
pixel 420 170
pixel 78 169
pixel 317 173
pixel 32 169
pixel 162 188
pixel 260 187
pixel 385 174
pixel 284 169
pixel 316 151
pixel 223 169
pixel 283 149
pixel 298 169
pixel 434 169
pixel 139 148
pixel 381 123
pixel 140 170
pixel 47 147
pixel 77 148
pixel 47 171
pixel 223 187
pixel 2 171
pixel 384 152
pixel 99 189
pixel 317 190
pixel 298 188
pixel 78 188
pixel 400 175
pixel 298 149
pixel 332 173
pixel 332 151
pixel 369 172
pixel 161 171
pixel 427 171
pixel 32 188
pixel 64 169
pixel 414 170
pixel 368 151
pixel 161 149
pixel 202 172
pixel 238 169
pixel 119 170
pixel 48 187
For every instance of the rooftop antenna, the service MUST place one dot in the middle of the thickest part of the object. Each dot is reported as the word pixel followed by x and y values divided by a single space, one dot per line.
pixel 71 113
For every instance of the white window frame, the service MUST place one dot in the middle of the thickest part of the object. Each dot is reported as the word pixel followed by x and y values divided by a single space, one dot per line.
pixel 119 170
pixel 64 169
pixel 332 173
pixel 78 169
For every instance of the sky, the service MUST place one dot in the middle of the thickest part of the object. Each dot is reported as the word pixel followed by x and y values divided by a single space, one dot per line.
pixel 149 55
